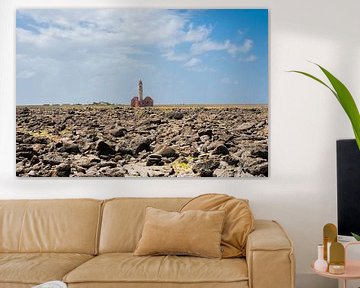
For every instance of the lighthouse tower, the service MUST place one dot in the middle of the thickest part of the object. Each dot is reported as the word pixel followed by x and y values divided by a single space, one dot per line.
pixel 140 90
pixel 139 101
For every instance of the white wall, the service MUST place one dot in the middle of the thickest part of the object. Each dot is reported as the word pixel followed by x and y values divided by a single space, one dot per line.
pixel 305 120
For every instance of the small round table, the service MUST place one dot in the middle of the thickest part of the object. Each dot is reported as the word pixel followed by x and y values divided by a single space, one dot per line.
pixel 352 269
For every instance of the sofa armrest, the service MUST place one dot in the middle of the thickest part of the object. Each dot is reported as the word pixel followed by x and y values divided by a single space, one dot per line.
pixel 269 256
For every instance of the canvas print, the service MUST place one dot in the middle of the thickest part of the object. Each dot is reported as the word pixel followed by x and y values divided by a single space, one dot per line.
pixel 142 93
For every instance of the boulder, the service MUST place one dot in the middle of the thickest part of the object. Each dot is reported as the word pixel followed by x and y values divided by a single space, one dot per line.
pixel 141 144
pixel 168 152
pixel 208 132
pixel 246 126
pixel 206 168
pixel 177 115
pixel 104 149
pixel 63 170
pixel 154 159
pixel 118 132
pixel 220 150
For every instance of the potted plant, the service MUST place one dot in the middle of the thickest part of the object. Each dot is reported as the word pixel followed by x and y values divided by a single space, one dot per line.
pixel 346 100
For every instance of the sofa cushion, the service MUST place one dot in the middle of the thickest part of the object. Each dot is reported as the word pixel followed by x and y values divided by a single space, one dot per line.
pixel 239 220
pixel 123 220
pixel 193 232
pixel 126 268
pixel 237 284
pixel 63 226
pixel 36 268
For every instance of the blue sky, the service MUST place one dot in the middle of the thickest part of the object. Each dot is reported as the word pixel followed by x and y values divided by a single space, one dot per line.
pixel 182 56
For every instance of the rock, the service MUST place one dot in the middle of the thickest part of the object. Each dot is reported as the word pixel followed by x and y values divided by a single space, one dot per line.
pixel 19 169
pixel 168 152
pixel 40 140
pixel 63 170
pixel 195 154
pixel 231 160
pixel 258 170
pixel 25 111
pixel 260 124
pixel 214 144
pixel 118 132
pixel 155 156
pixel 224 173
pixel 154 159
pixel 246 126
pixel 118 172
pixel 104 149
pixel 220 150
pixel 35 159
pixel 139 169
pixel 25 154
pixel 177 115
pixel 208 132
pixel 32 173
pixel 38 148
pixel 204 138
pixel 70 147
pixel 206 168
pixel 52 160
pixel 141 144
pixel 100 141
pixel 110 164
pixel 261 153
pixel 155 121
pixel 123 148
pixel 62 127
pixel 92 172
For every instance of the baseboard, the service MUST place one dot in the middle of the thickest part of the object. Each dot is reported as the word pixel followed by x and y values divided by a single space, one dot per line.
pixel 310 280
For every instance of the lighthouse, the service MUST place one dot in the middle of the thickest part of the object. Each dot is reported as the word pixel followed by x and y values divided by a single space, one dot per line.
pixel 140 90
pixel 139 101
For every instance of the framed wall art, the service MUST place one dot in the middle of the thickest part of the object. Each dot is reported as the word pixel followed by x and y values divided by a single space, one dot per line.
pixel 142 93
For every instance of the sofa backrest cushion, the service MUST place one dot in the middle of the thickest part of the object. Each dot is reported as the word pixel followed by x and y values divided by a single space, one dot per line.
pixel 123 220
pixel 64 226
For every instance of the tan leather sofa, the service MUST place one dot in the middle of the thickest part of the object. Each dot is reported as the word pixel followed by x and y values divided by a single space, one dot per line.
pixel 89 243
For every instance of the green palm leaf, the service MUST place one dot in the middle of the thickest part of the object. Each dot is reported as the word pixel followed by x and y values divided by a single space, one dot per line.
pixel 344 97
pixel 357 237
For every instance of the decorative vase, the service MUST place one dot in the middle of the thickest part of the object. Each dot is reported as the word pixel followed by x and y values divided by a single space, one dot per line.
pixel 320 264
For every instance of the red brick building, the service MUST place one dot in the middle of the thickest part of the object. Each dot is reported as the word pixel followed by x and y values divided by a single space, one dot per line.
pixel 138 101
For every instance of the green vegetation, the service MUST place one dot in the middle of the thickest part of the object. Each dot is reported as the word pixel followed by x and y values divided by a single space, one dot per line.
pixel 41 133
pixel 45 134
pixel 182 166
pixel 356 236
pixel 344 97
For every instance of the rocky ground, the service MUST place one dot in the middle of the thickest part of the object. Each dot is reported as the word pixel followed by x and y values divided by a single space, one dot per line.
pixel 110 140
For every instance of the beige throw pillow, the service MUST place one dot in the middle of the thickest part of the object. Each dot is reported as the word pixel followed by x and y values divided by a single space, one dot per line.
pixel 194 232
pixel 239 220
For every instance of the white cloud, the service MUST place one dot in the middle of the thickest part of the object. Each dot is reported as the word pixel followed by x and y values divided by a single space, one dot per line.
pixel 210 45
pixel 106 34
pixel 172 56
pixel 73 48
pixel 206 46
pixel 246 46
pixel 192 62
pixel 130 27
pixel 197 34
